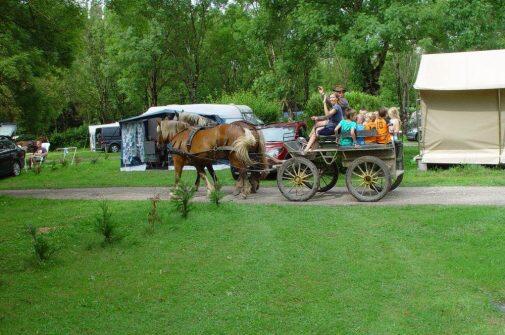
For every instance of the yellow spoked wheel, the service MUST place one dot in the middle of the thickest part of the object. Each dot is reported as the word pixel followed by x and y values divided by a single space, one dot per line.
pixel 298 179
pixel 368 179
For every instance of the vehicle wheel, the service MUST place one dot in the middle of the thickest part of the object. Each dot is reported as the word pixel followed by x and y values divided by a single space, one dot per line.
pixel 328 177
pixel 368 179
pixel 234 173
pixel 16 169
pixel 298 179
pixel 397 182
pixel 114 148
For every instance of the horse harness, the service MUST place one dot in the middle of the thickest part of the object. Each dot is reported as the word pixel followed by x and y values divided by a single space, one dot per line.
pixel 189 141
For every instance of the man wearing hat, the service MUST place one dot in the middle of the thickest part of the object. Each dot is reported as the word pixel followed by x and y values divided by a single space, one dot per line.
pixel 340 92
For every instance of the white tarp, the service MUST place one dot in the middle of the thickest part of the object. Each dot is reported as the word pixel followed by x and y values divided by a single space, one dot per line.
pixel 229 113
pixel 475 70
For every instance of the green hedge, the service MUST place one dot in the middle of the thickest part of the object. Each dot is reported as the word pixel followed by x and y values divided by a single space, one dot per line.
pixel 267 110
pixel 360 100
pixel 72 137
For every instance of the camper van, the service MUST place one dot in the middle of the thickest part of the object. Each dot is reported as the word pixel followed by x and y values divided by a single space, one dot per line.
pixel 139 137
pixel 95 136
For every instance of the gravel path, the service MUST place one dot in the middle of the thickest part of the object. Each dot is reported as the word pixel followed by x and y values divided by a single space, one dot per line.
pixel 457 195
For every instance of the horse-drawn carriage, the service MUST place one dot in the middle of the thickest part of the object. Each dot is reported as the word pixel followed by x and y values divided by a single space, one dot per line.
pixel 372 170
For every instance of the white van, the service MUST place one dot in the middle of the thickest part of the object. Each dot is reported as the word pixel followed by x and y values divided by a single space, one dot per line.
pixel 228 113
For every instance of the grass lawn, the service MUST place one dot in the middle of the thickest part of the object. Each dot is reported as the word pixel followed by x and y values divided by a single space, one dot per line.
pixel 106 173
pixel 255 269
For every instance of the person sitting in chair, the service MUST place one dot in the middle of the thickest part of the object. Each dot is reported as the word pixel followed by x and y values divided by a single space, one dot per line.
pixel 39 154
pixel 325 125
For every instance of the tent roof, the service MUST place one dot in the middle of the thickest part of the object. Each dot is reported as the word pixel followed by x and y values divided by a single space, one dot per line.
pixel 160 112
pixel 475 70
pixel 224 111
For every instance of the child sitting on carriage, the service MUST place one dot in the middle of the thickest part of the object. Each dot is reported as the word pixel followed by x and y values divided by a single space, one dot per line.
pixel 383 135
pixel 347 125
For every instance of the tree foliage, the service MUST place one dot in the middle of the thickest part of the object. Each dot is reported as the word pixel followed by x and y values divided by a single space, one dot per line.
pixel 64 63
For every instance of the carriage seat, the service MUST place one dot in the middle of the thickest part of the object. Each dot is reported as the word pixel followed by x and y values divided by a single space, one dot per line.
pixel 327 141
pixel 359 133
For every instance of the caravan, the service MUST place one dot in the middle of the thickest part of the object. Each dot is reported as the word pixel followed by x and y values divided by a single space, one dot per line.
pixel 140 150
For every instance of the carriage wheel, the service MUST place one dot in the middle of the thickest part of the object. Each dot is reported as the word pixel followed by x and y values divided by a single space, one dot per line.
pixel 397 182
pixel 298 179
pixel 368 179
pixel 328 177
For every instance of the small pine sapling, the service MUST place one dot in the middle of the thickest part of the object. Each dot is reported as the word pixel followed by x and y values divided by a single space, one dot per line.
pixel 181 198
pixel 41 247
pixel 216 195
pixel 104 223
pixel 153 217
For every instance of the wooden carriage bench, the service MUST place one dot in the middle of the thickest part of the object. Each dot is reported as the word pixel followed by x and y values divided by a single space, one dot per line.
pixel 331 141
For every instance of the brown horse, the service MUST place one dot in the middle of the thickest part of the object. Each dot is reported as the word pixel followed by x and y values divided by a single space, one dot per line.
pixel 228 141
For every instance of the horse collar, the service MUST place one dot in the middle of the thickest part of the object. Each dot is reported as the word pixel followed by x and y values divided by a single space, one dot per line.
pixel 192 134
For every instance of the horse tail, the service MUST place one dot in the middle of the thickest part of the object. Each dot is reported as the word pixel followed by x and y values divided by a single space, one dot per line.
pixel 262 155
pixel 242 144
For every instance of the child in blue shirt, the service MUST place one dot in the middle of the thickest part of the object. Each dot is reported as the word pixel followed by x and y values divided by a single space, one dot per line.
pixel 347 125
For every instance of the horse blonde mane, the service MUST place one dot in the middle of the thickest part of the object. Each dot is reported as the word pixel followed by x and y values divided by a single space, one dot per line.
pixel 196 120
pixel 167 129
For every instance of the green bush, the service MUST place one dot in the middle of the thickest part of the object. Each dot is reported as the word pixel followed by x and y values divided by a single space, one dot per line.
pixel 267 110
pixel 72 137
pixel 314 106
pixel 41 246
pixel 359 100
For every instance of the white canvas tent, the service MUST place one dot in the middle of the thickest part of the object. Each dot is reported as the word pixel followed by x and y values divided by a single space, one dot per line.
pixel 92 133
pixel 462 105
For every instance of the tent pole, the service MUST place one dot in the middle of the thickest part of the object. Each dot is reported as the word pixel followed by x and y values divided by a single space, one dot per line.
pixel 500 139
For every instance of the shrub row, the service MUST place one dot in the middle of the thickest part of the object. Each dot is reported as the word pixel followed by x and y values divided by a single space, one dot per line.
pixel 72 137
pixel 267 110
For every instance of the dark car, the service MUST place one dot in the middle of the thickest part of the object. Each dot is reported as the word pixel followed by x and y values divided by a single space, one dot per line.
pixel 413 132
pixel 109 139
pixel 12 157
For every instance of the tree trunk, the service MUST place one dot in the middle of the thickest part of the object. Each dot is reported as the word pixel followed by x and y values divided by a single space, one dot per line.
pixel 306 74
pixel 153 88
pixel 372 73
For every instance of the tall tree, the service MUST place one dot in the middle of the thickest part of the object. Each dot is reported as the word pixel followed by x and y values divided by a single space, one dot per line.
pixel 36 37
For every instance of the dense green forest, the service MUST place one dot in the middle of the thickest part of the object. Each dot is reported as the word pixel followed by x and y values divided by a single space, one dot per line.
pixel 65 63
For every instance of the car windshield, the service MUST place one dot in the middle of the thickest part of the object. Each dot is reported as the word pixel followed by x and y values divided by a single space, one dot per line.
pixel 278 134
pixel 250 117
pixel 7 129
